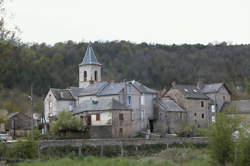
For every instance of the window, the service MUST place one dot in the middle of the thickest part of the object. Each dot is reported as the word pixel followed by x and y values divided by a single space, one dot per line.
pixel 129 89
pixel 213 108
pixel 185 90
pixel 202 104
pixel 224 97
pixel 96 75
pixel 85 76
pixel 180 115
pixel 202 116
pixel 50 104
pixel 120 116
pixel 142 115
pixel 120 132
pixel 129 100
pixel 195 114
pixel 132 116
pixel 142 100
pixel 213 118
pixel 97 117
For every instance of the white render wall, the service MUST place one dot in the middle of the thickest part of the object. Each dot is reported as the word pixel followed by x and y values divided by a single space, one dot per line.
pixel 105 119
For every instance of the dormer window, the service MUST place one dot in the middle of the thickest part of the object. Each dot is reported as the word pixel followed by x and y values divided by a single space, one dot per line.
pixel 185 90
pixel 195 90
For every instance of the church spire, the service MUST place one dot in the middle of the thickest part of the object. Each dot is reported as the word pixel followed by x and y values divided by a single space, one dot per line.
pixel 89 57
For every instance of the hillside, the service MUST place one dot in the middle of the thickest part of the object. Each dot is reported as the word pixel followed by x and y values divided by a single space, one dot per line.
pixel 155 65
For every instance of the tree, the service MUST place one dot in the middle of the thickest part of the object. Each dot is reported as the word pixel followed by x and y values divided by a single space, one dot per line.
pixel 66 122
pixel 221 141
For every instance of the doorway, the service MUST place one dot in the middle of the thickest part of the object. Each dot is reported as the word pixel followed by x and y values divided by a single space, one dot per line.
pixel 89 120
pixel 151 125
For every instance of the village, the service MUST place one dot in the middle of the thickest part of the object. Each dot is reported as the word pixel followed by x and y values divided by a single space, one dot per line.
pixel 128 109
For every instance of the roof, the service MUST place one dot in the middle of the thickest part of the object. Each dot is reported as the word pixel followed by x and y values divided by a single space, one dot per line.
pixel 93 89
pixel 106 88
pixel 11 115
pixel 142 88
pixel 75 91
pixel 191 92
pixel 99 105
pixel 170 106
pixel 241 106
pixel 62 94
pixel 89 57
pixel 213 88
pixel 112 89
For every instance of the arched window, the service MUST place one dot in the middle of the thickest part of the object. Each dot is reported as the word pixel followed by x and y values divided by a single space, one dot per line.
pixel 85 76
pixel 96 75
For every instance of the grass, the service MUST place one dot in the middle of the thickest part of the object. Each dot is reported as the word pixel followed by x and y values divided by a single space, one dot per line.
pixel 167 157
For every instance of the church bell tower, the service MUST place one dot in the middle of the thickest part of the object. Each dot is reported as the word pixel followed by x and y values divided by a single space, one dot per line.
pixel 89 69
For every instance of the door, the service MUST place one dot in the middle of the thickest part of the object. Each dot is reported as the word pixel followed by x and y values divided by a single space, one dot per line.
pixel 89 120
pixel 151 125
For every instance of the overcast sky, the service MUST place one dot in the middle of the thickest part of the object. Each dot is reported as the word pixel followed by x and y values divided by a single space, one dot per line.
pixel 152 21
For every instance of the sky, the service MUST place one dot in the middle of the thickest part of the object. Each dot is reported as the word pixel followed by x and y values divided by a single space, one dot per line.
pixel 151 21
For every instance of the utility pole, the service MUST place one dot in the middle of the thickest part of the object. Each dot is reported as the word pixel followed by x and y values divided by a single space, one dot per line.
pixel 32 109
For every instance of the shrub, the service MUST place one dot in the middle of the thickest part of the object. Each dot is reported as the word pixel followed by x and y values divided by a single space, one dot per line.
pixel 244 150
pixel 221 143
pixel 66 122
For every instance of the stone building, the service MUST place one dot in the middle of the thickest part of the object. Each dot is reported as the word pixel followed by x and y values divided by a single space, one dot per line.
pixel 131 94
pixel 107 118
pixel 18 124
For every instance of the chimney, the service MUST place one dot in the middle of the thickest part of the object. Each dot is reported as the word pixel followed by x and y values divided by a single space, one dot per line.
pixel 173 84
pixel 91 81
pixel 199 84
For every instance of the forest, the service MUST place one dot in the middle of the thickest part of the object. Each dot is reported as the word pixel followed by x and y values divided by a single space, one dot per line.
pixel 56 66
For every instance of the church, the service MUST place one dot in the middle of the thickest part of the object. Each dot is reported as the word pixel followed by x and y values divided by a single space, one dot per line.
pixel 110 109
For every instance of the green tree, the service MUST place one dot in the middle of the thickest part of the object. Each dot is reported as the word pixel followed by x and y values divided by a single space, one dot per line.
pixel 221 141
pixel 66 122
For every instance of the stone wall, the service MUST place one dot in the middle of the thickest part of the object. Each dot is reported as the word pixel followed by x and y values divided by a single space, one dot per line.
pixel 100 132
pixel 121 142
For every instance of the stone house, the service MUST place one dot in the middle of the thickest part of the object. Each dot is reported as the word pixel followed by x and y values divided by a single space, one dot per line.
pixel 219 95
pixel 18 124
pixel 170 118
pixel 57 100
pixel 107 118
pixel 132 94
pixel 194 101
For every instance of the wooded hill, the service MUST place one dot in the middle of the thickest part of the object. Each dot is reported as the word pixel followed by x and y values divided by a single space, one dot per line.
pixel 154 65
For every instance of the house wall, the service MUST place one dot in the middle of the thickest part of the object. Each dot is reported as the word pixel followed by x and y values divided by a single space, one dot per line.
pixel 169 122
pixel 2 127
pixel 124 124
pixel 219 97
pixel 192 106
pixel 138 123
pixel 109 125
pixel 57 105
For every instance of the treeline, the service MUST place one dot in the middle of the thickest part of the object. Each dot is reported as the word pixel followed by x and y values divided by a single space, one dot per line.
pixel 157 66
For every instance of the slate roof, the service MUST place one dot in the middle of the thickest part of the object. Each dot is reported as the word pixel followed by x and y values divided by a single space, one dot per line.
pixel 106 88
pixel 93 89
pixel 242 106
pixel 99 105
pixel 191 92
pixel 62 94
pixel 112 89
pixel 211 88
pixel 142 88
pixel 89 57
pixel 170 106
pixel 75 91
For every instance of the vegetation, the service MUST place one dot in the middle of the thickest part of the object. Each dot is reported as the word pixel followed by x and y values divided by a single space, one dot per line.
pixel 66 122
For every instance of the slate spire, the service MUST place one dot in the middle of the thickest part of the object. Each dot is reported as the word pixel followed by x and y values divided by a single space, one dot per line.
pixel 89 57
